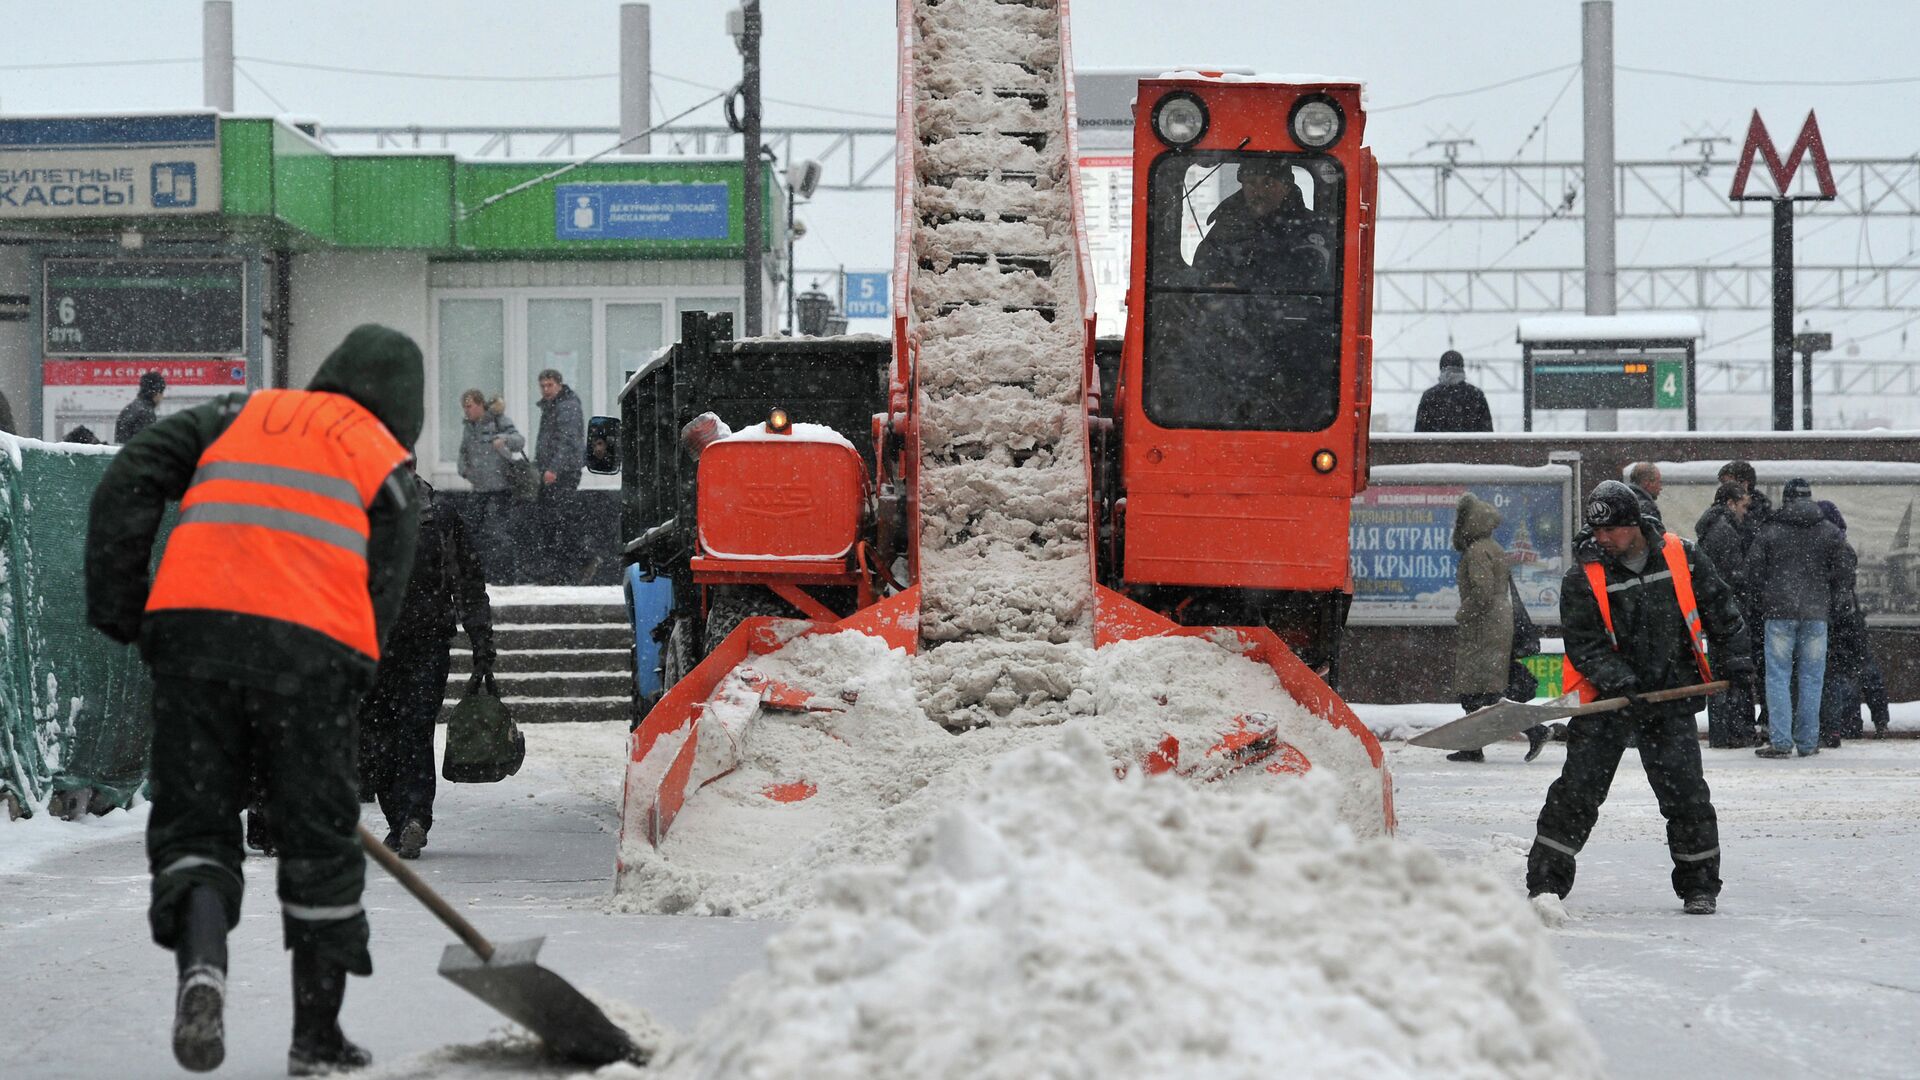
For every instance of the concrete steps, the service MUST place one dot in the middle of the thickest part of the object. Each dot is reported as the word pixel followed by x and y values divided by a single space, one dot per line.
pixel 565 655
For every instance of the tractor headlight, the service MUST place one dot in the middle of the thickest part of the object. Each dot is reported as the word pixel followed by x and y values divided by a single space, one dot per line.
pixel 778 422
pixel 1316 123
pixel 1324 461
pixel 1180 119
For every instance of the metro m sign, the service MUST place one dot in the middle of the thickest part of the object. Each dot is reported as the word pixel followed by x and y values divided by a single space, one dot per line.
pixel 1782 175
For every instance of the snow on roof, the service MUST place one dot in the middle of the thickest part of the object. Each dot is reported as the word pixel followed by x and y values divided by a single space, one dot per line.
pixel 1441 472
pixel 1287 79
pixel 802 432
pixel 1814 471
pixel 1550 328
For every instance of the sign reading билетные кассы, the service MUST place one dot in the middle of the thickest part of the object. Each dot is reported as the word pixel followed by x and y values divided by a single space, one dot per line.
pixel 640 210
pixel 109 166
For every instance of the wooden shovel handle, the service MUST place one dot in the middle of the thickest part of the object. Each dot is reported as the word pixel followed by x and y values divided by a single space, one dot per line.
pixel 424 893
pixel 1675 694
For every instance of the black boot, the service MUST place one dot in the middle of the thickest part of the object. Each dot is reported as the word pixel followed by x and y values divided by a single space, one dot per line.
pixel 320 1048
pixel 1537 737
pixel 199 1033
pixel 1467 755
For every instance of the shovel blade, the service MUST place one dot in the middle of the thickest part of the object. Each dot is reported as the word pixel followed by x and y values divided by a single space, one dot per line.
pixel 516 985
pixel 1488 725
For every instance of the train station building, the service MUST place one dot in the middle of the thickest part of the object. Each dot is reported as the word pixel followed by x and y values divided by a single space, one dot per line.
pixel 234 252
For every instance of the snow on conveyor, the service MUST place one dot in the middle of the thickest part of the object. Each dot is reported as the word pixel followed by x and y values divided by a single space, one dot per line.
pixel 1005 595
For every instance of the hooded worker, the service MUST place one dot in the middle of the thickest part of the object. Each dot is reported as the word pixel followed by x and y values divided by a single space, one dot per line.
pixel 263 627
pixel 1483 653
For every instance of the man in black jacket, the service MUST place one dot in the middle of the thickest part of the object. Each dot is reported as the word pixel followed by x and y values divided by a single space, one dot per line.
pixel 1798 563
pixel 142 411
pixel 559 453
pixel 1724 533
pixel 1453 403
pixel 263 627
pixel 1653 587
pixel 397 719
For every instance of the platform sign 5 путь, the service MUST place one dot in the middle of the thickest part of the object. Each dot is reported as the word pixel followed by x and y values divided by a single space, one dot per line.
pixel 867 295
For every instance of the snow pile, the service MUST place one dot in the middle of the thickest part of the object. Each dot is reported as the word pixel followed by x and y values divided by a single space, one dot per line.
pixel 882 769
pixel 1059 923
pixel 1003 485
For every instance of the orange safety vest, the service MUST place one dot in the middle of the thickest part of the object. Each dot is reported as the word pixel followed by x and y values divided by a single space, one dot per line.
pixel 274 523
pixel 1571 681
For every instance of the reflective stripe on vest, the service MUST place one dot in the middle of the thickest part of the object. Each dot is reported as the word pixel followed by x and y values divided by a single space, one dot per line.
pixel 1675 554
pixel 275 523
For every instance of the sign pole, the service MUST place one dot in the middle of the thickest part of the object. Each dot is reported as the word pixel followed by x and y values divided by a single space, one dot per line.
pixel 1783 315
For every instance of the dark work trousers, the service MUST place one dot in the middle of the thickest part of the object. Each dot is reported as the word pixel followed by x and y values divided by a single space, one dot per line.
pixel 561 551
pixel 210 740
pixel 1670 753
pixel 396 733
pixel 491 525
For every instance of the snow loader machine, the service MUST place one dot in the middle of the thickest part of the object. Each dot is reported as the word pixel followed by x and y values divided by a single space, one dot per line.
pixel 989 485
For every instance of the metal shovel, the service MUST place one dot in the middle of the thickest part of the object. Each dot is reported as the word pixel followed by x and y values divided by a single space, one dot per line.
pixel 508 978
pixel 1504 718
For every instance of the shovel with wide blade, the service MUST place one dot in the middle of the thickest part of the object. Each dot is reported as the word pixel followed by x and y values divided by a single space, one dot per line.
pixel 507 977
pixel 1504 718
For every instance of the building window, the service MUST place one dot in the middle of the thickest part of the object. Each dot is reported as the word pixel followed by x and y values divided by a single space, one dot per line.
pixel 498 340
pixel 634 333
pixel 560 336
pixel 472 336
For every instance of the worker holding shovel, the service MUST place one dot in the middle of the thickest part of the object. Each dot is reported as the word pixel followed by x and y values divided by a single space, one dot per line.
pixel 263 627
pixel 1641 611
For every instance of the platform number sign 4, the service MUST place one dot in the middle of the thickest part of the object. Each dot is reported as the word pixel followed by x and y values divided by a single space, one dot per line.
pixel 1669 385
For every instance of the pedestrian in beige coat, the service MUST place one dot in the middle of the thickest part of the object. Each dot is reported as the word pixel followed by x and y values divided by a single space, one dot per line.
pixel 1483 645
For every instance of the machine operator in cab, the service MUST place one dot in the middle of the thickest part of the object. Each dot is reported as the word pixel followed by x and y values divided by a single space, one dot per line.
pixel 1263 235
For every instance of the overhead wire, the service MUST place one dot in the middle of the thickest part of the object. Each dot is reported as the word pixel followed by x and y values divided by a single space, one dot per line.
pixel 1475 90
pixel 258 85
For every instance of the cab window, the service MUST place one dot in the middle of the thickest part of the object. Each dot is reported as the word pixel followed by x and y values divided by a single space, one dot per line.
pixel 1243 293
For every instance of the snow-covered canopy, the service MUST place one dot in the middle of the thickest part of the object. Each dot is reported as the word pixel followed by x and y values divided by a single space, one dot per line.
pixel 1551 329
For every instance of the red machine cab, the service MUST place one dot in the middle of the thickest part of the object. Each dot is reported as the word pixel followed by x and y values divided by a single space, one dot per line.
pixel 1243 399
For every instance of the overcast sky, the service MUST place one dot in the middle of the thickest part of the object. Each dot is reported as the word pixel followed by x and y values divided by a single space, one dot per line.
pixel 840 55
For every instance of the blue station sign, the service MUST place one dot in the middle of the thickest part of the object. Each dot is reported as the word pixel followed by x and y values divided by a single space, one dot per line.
pixel 641 211
pixel 109 166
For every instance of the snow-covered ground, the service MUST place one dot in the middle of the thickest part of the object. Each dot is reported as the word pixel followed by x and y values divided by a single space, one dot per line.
pixel 1811 968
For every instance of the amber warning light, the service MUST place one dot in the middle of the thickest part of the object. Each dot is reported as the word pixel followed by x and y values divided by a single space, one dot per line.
pixel 1324 461
pixel 778 422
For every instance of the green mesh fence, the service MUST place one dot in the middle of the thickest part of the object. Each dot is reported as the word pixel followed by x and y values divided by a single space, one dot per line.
pixel 73 706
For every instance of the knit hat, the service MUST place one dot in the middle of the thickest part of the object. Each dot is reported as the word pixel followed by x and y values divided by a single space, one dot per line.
pixel 1452 359
pixel 1612 504
pixel 1796 489
pixel 152 382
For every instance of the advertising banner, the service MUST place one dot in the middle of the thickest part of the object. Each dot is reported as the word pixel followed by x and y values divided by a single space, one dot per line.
pixel 91 393
pixel 109 166
pixel 639 210
pixel 1401 549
